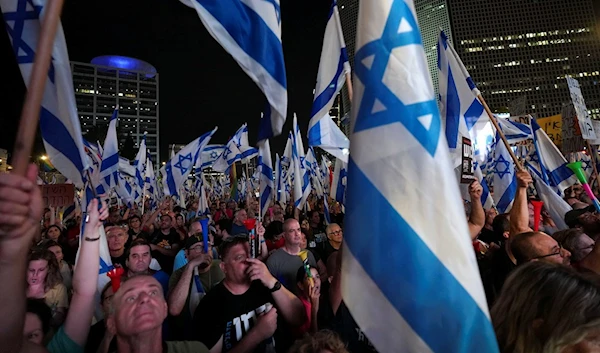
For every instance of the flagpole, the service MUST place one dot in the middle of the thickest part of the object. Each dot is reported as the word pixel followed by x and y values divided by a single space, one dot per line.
pixel 33 99
pixel 349 87
pixel 495 123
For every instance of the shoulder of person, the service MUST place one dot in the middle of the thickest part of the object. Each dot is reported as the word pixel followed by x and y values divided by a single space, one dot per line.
pixel 186 346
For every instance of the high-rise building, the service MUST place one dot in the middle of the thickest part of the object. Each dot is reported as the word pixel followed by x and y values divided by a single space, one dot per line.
pixel 131 84
pixel 523 49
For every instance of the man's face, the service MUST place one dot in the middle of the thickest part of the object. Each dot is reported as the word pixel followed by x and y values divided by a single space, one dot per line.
pixel 315 218
pixel 583 247
pixel 546 245
pixel 241 216
pixel 223 206
pixel 292 233
pixel 114 216
pixel 139 259
pixel 117 237
pixel 231 205
pixel 33 330
pixel 107 300
pixel 139 307
pixel 213 208
pixel 303 242
pixel 134 223
pixel 165 222
pixel 57 251
pixel 197 250
pixel 195 229
pixel 335 234
pixel 37 272
pixel 589 220
pixel 234 265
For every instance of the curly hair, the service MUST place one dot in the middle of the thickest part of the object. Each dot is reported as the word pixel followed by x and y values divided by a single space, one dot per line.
pixel 53 277
pixel 316 343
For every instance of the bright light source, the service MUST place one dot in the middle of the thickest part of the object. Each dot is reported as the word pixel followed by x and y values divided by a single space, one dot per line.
pixel 164 163
pixel 346 151
pixel 44 158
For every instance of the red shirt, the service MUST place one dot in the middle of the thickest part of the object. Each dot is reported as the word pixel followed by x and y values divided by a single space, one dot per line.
pixel 276 245
pixel 219 214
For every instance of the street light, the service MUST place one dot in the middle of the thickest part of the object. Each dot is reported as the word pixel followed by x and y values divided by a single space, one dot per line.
pixel 164 163
pixel 44 157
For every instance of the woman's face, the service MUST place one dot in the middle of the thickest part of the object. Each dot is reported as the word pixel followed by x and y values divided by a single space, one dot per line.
pixel 305 224
pixel 180 221
pixel 53 233
pixel 33 330
pixel 37 272
pixel 57 251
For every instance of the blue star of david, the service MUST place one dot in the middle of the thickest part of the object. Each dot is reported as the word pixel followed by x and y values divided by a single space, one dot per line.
pixel 502 167
pixel 16 33
pixel 226 153
pixel 277 9
pixel 180 164
pixel 534 158
pixel 213 155
pixel 372 78
pixel 585 165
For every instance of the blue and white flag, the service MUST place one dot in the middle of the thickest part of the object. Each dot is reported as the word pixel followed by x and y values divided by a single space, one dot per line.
pixel 286 158
pixel 301 184
pixel 325 174
pixel 176 170
pixel 140 166
pixel 486 197
pixel 552 163
pixel 326 134
pixel 333 68
pixel 553 203
pixel 150 179
pixel 59 122
pixel 265 166
pixel 396 135
pixel 312 166
pixel 230 155
pixel 109 169
pixel 250 30
pixel 515 132
pixel 586 162
pixel 505 178
pixel 280 194
pixel 125 191
pixel 125 167
pixel 210 154
pixel 339 182
pixel 241 140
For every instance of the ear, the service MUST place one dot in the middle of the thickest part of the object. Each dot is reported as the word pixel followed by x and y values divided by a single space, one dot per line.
pixel 222 267
pixel 506 235
pixel 165 310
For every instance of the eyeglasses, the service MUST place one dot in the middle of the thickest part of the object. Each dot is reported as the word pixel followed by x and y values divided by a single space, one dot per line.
pixel 557 252
pixel 337 232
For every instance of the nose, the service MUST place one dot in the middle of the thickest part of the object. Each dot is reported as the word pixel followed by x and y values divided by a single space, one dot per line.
pixel 565 253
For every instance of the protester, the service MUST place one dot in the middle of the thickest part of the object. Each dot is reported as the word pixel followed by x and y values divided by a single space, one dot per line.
pixel 117 237
pixel 164 243
pixel 334 241
pixel 310 292
pixel 324 341
pixel 138 259
pixel 579 244
pixel 66 272
pixel 586 219
pixel 223 212
pixel 135 228
pixel 100 339
pixel 238 226
pixel 538 246
pixel 274 236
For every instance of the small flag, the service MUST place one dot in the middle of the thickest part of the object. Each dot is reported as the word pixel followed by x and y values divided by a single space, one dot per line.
pixel 109 168
pixel 265 166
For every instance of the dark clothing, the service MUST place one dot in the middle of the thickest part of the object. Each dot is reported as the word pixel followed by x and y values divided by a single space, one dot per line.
pixel 167 242
pixel 337 219
pixel 489 236
pixel 325 249
pixel 350 333
pixel 95 336
pixel 494 271
pixel 223 314
pixel 121 260
pixel 235 229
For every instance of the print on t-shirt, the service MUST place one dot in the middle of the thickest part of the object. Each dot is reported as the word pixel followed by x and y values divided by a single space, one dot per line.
pixel 237 328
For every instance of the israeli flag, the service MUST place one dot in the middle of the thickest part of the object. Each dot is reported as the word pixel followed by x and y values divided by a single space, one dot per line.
pixel 125 191
pixel 265 167
pixel 286 159
pixel 109 169
pixel 339 181
pixel 553 203
pixel 125 167
pixel 59 122
pixel 515 132
pixel 301 177
pixel 203 207
pixel 140 165
pixel 486 197
pixel 230 155
pixel 326 134
pixel 460 109
pixel 505 180
pixel 280 195
pixel 210 154
pixel 552 163
pixel 333 68
pixel 250 30
pixel 177 169
pixel 150 179
pixel 325 174
pixel 312 166
pixel 586 163
pixel 396 134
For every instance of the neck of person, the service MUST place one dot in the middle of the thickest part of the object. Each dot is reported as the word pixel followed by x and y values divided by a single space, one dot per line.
pixel 166 231
pixel 238 223
pixel 488 227
pixel 136 230
pixel 292 249
pixel 33 289
pixel 131 273
pixel 334 244
pixel 236 288
pixel 146 342
pixel 117 253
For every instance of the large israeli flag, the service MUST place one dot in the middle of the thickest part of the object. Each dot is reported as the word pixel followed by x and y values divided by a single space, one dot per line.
pixel 339 182
pixel 505 180
pixel 325 133
pixel 109 169
pixel 176 170
pixel 436 303
pixel 125 191
pixel 59 122
pixel 210 154
pixel 250 30
pixel 265 167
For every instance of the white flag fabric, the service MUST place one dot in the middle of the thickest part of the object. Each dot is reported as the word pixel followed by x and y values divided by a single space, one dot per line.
pixel 140 168
pixel 59 122
pixel 265 166
pixel 109 169
pixel 210 154
pixel 505 178
pixel 554 204
pixel 325 134
pixel 396 135
pixel 230 155
pixel 301 178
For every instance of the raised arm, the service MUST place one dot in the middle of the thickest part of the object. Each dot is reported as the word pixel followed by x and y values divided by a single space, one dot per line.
pixel 519 214
pixel 85 277
pixel 20 214
pixel 477 217
pixel 178 295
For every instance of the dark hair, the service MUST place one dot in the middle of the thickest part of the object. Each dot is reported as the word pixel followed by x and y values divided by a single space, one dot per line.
pixel 522 248
pixel 274 228
pixel 301 273
pixel 53 278
pixel 179 215
pixel 50 243
pixel 310 213
pixel 501 224
pixel 134 217
pixel 137 242
pixel 104 289
pixel 60 232
pixel 39 308
pixel 192 221
pixel 177 209
pixel 225 224
pixel 230 242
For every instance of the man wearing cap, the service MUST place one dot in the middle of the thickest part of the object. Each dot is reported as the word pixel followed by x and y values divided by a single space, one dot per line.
pixel 189 284
pixel 194 229
pixel 586 219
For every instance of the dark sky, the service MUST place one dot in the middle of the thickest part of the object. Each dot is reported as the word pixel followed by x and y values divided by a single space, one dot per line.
pixel 200 85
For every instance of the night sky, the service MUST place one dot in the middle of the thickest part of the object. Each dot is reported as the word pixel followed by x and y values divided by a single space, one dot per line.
pixel 200 85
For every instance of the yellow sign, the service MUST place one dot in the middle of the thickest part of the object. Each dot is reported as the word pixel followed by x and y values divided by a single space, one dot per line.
pixel 553 127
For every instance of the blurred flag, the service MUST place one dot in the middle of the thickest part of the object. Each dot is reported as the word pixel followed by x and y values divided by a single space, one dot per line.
pixel 301 178
pixel 286 159
pixel 150 179
pixel 401 179
pixel 241 141
pixel 125 191
pixel 109 168
pixel 553 203
pixel 280 195
pixel 59 122
pixel 140 167
pixel 210 154
pixel 515 132
pixel 250 31
pixel 265 166
pixel 326 134
pixel 339 182
pixel 230 155
pixel 125 167
pixel 176 170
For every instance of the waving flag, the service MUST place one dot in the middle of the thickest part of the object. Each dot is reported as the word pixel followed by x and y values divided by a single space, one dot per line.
pixel 553 203
pixel 515 132
pixel 552 163
pixel 265 166
pixel 312 166
pixel 109 168
pixel 150 179
pixel 59 121
pixel 250 31
pixel 140 166
pixel 230 155
pixel 210 154
pixel 339 182
pixel 280 194
pixel 125 191
pixel 396 135
pixel 241 141
pixel 505 180
pixel 177 169
pixel 286 159
pixel 326 134
pixel 301 176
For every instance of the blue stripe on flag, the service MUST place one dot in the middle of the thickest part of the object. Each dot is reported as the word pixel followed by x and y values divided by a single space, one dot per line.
pixel 110 162
pixel 473 114
pixel 458 322
pixel 508 196
pixel 560 174
pixel 452 112
pixel 328 93
pixel 314 134
pixel 56 134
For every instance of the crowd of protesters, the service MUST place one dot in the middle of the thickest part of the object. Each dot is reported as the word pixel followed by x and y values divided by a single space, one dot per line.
pixel 182 291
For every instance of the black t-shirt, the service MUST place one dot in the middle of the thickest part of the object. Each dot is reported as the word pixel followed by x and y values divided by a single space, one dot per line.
pixel 489 236
pixel 221 313
pixel 494 271
pixel 350 333
pixel 121 260
pixel 165 241
pixel 325 250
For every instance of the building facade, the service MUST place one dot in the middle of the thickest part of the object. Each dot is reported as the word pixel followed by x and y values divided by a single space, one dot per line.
pixel 521 50
pixel 128 83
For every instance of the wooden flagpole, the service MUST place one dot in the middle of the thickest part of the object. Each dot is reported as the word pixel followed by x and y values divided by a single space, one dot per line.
pixel 349 87
pixel 35 92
